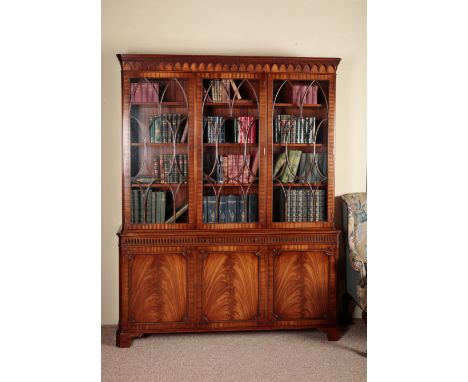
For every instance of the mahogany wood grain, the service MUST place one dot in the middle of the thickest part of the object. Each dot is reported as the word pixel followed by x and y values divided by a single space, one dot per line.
pixel 300 282
pixel 158 288
pixel 230 286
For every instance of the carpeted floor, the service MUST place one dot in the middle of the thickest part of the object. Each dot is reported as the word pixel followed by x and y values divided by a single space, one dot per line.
pixel 291 356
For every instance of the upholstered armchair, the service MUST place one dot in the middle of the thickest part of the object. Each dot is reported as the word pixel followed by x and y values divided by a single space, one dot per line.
pixel 355 235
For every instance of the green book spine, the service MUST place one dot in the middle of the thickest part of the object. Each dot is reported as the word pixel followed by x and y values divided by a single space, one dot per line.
pixel 205 209
pixel 153 207
pixel 293 206
pixel 279 164
pixel 157 130
pixel 212 216
pixel 302 167
pixel 231 209
pixel 253 209
pixel 148 207
pixel 241 209
pixel 141 207
pixel 162 211
pixel 133 211
pixel 300 204
pixel 158 207
pixel 223 209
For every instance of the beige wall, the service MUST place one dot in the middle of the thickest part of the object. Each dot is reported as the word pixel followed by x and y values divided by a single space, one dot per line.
pixel 326 28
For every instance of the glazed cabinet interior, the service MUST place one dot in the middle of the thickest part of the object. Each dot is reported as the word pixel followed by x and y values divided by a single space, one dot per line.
pixel 228 194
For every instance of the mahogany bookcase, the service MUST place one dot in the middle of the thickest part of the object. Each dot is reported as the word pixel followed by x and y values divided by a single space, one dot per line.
pixel 228 195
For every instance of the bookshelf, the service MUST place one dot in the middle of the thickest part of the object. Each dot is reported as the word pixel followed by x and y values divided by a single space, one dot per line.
pixel 228 195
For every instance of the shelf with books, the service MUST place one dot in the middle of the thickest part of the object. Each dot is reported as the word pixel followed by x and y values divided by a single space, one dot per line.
pixel 299 145
pixel 220 185
pixel 230 141
pixel 160 144
pixel 241 103
pixel 158 185
pixel 229 144
pixel 291 105
pixel 313 185
pixel 160 104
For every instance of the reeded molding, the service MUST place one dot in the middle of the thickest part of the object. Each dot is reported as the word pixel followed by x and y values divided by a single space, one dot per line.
pixel 227 240
pixel 248 64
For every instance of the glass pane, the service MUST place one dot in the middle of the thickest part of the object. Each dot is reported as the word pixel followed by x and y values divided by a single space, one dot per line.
pixel 300 155
pixel 159 151
pixel 230 150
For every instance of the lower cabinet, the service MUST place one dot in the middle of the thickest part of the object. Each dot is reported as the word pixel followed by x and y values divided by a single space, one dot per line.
pixel 302 286
pixel 214 288
pixel 231 290
pixel 158 289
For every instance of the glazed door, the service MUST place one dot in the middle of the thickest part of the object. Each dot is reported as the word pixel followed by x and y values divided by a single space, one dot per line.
pixel 301 286
pixel 232 288
pixel 159 286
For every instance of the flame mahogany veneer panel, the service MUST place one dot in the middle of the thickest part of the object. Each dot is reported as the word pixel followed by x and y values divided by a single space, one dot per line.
pixel 230 286
pixel 300 284
pixel 158 288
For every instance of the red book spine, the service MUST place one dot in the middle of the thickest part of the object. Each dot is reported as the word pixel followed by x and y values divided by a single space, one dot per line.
pixel 295 92
pixel 245 175
pixel 309 96
pixel 229 169
pixel 241 130
pixel 137 93
pixel 314 94
pixel 144 92
pixel 253 130
pixel 303 90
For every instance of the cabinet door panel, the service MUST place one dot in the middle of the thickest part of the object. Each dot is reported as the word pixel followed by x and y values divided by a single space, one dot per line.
pixel 230 286
pixel 158 288
pixel 300 285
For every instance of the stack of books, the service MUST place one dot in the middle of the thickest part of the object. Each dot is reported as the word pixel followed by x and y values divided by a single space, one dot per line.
pixel 144 92
pixel 302 205
pixel 168 128
pixel 233 166
pixel 291 129
pixel 300 167
pixel 220 91
pixel 155 207
pixel 241 130
pixel 299 95
pixel 247 129
pixel 230 209
pixel 170 168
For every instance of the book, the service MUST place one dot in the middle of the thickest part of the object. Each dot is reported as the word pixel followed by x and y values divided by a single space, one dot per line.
pixel 231 215
pixel 236 90
pixel 148 207
pixel 205 209
pixel 241 209
pixel 253 208
pixel 162 209
pixel 290 170
pixel 212 214
pixel 223 209
pixel 255 165
pixel 178 214
pixel 279 164
pixel 302 168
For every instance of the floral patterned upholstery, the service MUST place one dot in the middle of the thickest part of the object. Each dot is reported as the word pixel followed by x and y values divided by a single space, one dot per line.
pixel 355 229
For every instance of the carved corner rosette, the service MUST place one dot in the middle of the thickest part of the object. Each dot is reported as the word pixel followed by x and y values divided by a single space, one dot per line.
pixel 203 254
pixel 204 320
pixel 275 317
